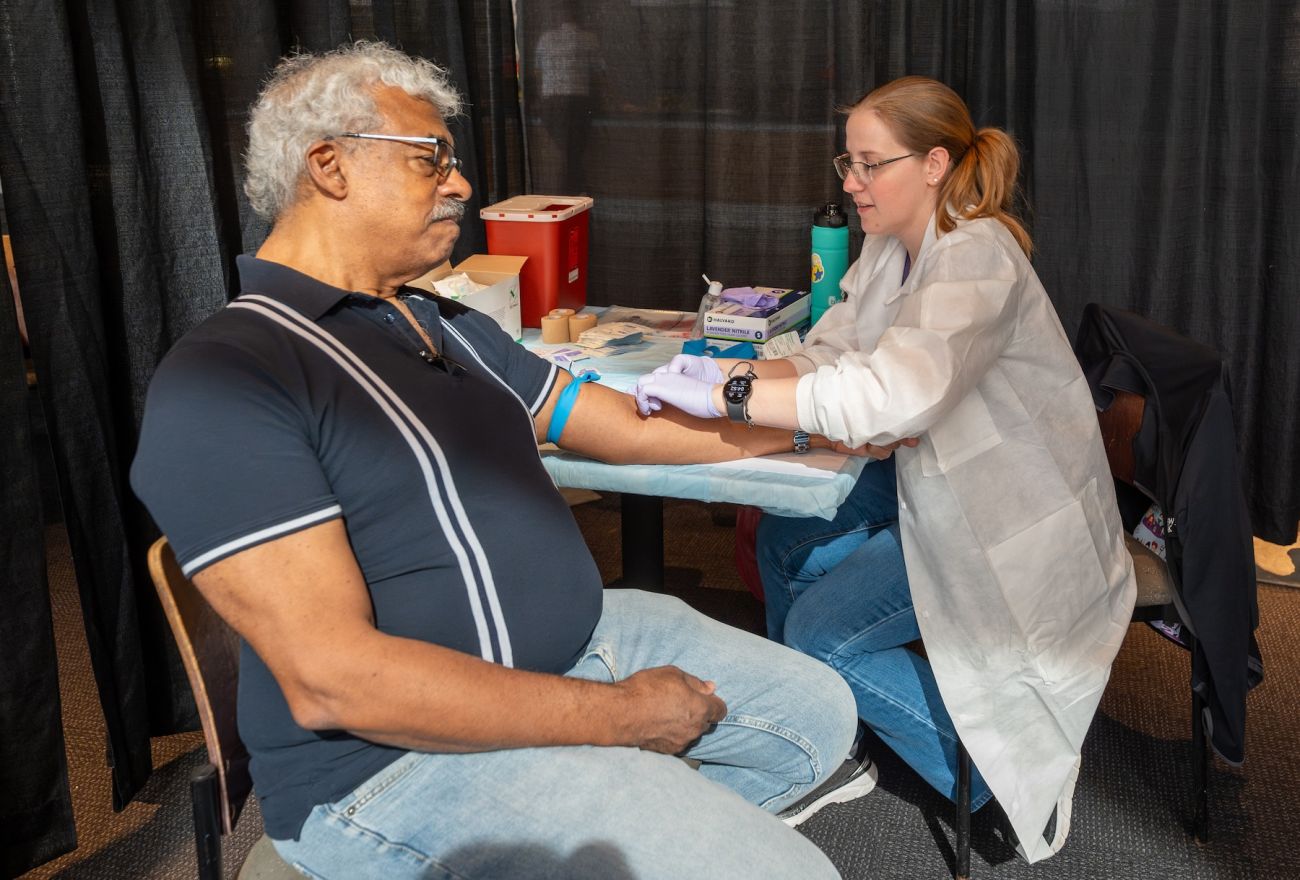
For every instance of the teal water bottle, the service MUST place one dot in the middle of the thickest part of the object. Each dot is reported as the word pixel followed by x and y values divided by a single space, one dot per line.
pixel 830 257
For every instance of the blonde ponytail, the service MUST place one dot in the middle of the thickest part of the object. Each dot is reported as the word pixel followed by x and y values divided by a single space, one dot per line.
pixel 983 184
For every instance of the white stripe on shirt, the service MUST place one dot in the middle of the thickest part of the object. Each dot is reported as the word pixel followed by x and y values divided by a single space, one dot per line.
pixel 389 402
pixel 260 535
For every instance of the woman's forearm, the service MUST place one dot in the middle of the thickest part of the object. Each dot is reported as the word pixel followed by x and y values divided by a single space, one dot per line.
pixel 771 402
pixel 777 369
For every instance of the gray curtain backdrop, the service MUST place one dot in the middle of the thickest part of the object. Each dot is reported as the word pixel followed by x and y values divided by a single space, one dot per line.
pixel 1159 143
pixel 37 815
pixel 1161 159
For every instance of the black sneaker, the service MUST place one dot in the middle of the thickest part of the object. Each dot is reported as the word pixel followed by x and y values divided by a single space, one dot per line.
pixel 854 778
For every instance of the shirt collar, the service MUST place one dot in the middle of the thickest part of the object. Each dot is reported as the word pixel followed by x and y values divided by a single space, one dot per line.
pixel 899 252
pixel 298 291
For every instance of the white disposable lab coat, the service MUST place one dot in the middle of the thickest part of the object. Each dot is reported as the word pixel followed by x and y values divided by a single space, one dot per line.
pixel 1019 577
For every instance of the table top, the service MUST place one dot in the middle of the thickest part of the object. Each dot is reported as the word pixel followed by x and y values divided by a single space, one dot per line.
pixel 787 484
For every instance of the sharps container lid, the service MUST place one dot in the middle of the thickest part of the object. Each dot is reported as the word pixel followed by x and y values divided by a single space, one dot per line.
pixel 537 209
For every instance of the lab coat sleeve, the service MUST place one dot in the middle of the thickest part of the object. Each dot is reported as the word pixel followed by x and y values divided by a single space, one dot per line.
pixel 836 331
pixel 834 334
pixel 962 319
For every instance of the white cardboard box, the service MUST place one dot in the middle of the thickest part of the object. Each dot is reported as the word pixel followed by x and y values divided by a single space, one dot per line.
pixel 499 300
pixel 734 321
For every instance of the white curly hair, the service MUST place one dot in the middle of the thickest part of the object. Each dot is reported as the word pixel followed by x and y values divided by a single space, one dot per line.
pixel 312 96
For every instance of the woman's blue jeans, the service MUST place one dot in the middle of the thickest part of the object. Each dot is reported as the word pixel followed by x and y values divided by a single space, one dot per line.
pixel 581 812
pixel 838 591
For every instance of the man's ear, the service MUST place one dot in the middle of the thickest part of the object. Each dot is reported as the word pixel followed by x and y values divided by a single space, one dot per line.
pixel 325 169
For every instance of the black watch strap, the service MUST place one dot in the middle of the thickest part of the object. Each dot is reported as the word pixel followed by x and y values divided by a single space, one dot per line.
pixel 736 396
pixel 736 392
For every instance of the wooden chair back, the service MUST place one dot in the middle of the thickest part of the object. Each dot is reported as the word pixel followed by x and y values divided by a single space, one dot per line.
pixel 210 650
pixel 1119 426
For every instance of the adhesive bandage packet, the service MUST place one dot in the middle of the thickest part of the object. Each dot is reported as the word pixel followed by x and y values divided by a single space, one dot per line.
pixel 565 355
pixel 617 333
pixel 782 346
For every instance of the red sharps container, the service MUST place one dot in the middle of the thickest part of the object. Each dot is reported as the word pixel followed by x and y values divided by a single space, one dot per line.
pixel 552 232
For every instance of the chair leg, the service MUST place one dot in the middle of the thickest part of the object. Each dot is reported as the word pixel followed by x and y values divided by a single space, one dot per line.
pixel 204 793
pixel 1200 760
pixel 1200 771
pixel 962 871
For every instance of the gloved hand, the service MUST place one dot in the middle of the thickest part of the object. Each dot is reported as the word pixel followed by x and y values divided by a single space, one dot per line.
pixel 705 369
pixel 691 396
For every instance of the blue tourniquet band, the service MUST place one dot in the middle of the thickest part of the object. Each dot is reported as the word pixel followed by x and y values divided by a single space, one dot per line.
pixel 565 404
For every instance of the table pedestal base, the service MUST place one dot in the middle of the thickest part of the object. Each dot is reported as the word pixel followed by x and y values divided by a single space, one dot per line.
pixel 643 541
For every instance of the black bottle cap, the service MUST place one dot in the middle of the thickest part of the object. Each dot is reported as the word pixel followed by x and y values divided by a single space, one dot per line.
pixel 830 214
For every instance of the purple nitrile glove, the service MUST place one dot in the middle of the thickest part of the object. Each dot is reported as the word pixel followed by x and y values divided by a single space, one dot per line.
pixel 705 369
pixel 691 396
pixel 644 404
pixel 749 297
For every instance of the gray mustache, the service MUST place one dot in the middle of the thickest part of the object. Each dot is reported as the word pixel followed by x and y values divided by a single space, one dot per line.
pixel 450 210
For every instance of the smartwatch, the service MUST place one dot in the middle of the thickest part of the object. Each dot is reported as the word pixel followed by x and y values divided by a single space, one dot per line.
pixel 736 393
pixel 801 441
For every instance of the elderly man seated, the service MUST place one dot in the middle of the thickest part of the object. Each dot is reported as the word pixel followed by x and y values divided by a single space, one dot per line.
pixel 433 682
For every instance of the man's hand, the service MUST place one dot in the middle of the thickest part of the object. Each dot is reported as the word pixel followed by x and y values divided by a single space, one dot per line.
pixel 669 709
pixel 879 453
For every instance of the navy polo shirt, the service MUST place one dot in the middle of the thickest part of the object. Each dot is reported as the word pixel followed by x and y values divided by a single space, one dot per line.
pixel 300 403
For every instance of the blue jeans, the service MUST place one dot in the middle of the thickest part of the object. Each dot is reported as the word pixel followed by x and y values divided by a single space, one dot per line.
pixel 620 813
pixel 838 591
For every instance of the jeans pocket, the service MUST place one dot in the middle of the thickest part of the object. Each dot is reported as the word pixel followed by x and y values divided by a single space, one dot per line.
pixel 597 663
pixel 376 785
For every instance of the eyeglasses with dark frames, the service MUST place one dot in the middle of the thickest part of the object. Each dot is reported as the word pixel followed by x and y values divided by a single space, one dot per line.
pixel 442 161
pixel 863 172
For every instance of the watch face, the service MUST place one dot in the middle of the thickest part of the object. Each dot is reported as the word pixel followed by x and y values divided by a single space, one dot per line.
pixel 737 388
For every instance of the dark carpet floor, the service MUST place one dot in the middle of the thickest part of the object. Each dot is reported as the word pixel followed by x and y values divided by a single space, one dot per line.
pixel 1131 809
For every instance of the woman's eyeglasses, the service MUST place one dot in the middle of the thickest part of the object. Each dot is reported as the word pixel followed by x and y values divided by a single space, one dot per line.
pixel 863 172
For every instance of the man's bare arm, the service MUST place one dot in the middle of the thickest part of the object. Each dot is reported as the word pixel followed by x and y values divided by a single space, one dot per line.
pixel 302 604
pixel 604 424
